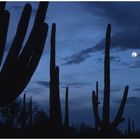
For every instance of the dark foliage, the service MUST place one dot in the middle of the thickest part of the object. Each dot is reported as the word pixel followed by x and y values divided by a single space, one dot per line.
pixel 18 114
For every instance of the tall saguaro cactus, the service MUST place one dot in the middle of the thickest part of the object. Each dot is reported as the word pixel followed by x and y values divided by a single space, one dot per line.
pixel 55 107
pixel 4 21
pixel 105 123
pixel 66 118
pixel 21 61
pixel 106 101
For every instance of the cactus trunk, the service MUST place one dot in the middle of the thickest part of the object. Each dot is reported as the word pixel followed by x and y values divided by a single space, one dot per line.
pixel 30 112
pixel 24 112
pixel 66 119
pixel 96 126
pixel 55 107
pixel 106 102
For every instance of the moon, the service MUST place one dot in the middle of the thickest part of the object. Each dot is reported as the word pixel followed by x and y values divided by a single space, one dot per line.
pixel 134 54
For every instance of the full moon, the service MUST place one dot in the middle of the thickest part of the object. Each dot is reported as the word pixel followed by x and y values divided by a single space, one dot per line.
pixel 134 54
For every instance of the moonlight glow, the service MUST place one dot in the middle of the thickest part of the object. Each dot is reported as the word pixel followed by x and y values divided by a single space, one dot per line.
pixel 134 54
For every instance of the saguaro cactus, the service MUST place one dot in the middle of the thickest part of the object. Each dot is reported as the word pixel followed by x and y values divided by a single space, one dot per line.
pixel 21 62
pixel 96 94
pixel 55 107
pixel 30 112
pixel 66 118
pixel 4 21
pixel 24 113
pixel 105 124
pixel 131 128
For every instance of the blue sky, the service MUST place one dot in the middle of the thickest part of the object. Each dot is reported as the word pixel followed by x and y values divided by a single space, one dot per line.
pixel 80 34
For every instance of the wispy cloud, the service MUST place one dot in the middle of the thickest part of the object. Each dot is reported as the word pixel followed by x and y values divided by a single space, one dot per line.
pixel 75 84
pixel 43 83
pixel 122 41
pixel 131 100
pixel 136 89
pixel 112 58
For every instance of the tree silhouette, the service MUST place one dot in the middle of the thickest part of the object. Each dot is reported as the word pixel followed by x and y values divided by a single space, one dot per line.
pixel 21 63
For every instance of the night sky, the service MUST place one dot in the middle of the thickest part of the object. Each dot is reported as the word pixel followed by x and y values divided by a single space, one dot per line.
pixel 81 28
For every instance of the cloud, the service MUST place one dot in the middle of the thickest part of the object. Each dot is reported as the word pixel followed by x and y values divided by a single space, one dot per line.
pixel 76 59
pixel 122 41
pixel 136 89
pixel 117 12
pixel 131 100
pixel 135 65
pixel 131 65
pixel 112 58
pixel 113 12
pixel 43 83
pixel 112 89
pixel 76 84
pixel 79 57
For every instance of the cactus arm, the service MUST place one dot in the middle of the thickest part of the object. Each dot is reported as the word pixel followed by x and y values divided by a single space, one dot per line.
pixel 19 37
pixel 2 5
pixel 39 49
pixel 106 101
pixel 30 46
pixel 35 58
pixel 4 22
pixel 118 119
pixel 95 109
pixel 41 13
pixel 66 118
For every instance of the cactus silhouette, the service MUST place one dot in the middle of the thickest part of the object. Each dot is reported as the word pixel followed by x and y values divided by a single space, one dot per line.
pixel 30 112
pixel 55 107
pixel 66 118
pixel 24 114
pixel 105 123
pixel 21 62
pixel 96 125
pixel 4 20
pixel 131 128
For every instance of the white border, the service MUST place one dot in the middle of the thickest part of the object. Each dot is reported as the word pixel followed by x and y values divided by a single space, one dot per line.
pixel 75 0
